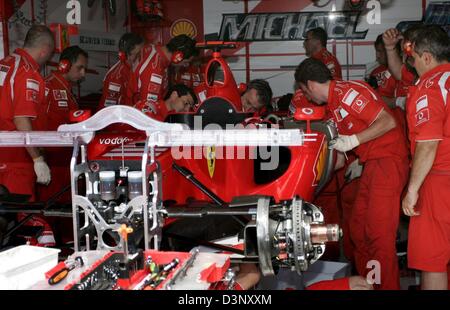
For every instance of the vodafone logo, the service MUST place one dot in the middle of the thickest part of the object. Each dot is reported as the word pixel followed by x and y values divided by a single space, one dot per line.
pixel 422 117
pixel 115 141
pixel 307 111
pixel 78 113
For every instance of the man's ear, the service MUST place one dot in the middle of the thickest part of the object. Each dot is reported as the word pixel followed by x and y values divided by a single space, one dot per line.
pixel 310 85
pixel 427 57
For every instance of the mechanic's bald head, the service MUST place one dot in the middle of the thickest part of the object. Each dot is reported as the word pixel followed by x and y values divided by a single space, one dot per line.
pixel 40 43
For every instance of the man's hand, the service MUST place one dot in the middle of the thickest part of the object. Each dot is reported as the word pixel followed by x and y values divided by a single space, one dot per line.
pixel 391 37
pixel 409 202
pixel 354 171
pixel 358 283
pixel 346 143
pixel 42 171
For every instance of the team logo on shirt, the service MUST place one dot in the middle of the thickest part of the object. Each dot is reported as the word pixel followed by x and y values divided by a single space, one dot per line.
pixel 59 94
pixel 156 78
pixel 153 87
pixel 152 97
pixel 114 87
pixel 360 103
pixel 3 72
pixel 422 111
pixel 32 95
pixel 350 96
pixel 149 107
pixel 63 104
pixel 33 85
pixel 355 100
pixel 340 114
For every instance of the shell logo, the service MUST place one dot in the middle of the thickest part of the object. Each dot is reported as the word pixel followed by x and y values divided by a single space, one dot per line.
pixel 183 26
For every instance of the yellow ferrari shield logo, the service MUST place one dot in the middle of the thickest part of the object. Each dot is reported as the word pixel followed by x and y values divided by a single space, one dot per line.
pixel 211 160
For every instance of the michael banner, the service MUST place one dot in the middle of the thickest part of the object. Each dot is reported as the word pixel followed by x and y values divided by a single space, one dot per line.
pixel 290 26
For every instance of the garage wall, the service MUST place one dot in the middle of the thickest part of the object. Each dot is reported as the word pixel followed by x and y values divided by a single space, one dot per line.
pixel 276 61
pixel 93 19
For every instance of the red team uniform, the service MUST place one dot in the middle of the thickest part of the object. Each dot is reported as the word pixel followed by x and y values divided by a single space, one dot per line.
pixel 429 120
pixel 330 61
pixel 119 85
pixel 375 214
pixel 22 91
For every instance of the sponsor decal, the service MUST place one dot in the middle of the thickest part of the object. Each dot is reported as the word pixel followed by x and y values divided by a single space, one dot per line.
pixel 115 141
pixel 114 87
pixel 32 84
pixel 360 103
pixel 156 78
pixel 183 26
pixel 3 73
pixel 289 26
pixel 422 117
pixel 110 102
pixel 32 95
pixel 59 94
pixel 152 97
pixel 154 88
pixel 350 97
pixel 422 103
pixel 63 104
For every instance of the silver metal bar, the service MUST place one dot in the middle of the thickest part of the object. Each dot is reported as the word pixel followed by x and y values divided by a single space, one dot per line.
pixel 42 138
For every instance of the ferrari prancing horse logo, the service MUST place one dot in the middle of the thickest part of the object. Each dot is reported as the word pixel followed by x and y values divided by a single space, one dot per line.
pixel 211 160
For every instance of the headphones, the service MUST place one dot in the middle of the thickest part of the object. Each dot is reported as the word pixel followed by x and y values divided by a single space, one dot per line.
pixel 408 48
pixel 64 66
pixel 177 57
pixel 122 56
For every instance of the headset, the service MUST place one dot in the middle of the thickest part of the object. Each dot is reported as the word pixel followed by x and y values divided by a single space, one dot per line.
pixel 179 53
pixel 177 57
pixel 64 66
pixel 123 56
pixel 408 48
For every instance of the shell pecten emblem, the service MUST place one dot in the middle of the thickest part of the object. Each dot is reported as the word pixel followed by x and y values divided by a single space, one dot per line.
pixel 183 26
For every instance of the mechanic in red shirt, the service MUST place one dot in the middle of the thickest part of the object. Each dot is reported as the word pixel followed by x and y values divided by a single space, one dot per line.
pixel 316 47
pixel 152 71
pixel 401 66
pixel 384 83
pixel 190 75
pixel 427 201
pixel 367 126
pixel 179 98
pixel 59 103
pixel 257 98
pixel 22 92
pixel 120 79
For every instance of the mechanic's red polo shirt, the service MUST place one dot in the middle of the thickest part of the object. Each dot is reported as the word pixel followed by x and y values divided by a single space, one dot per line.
pixel 428 114
pixel 387 84
pixel 330 61
pixel 157 110
pixel 117 86
pixel 355 106
pixel 22 90
pixel 59 102
pixel 151 75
